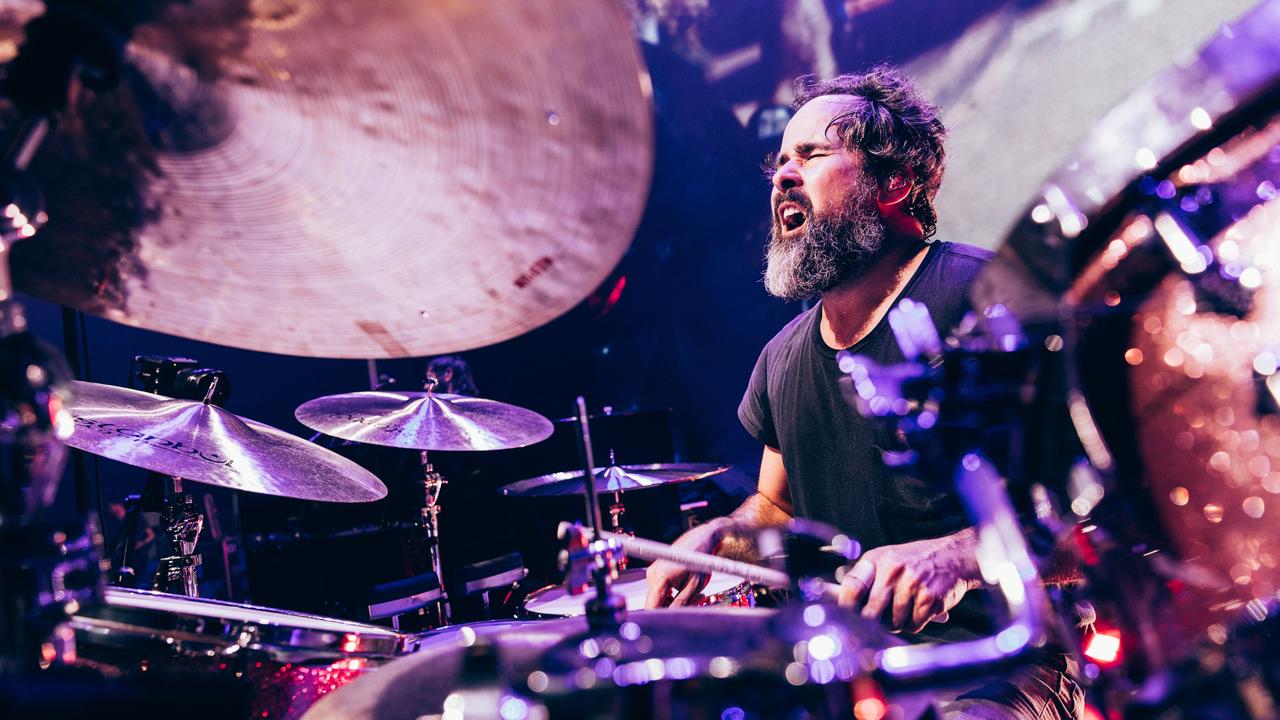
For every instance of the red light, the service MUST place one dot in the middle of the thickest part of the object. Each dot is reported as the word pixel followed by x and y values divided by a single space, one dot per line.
pixel 616 294
pixel 1092 713
pixel 870 709
pixel 1084 546
pixel 1103 647
pixel 351 643
pixel 869 701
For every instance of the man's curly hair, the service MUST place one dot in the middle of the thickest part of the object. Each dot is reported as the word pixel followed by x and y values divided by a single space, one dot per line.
pixel 894 128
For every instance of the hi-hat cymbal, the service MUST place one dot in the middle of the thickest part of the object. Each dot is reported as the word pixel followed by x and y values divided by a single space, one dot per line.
pixel 424 421
pixel 349 178
pixel 615 478
pixel 208 444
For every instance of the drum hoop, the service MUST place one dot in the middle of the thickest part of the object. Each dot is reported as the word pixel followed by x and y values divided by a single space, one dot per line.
pixel 213 626
pixel 742 590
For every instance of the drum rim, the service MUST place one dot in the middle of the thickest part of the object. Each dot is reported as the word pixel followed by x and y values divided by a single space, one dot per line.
pixel 742 585
pixel 226 628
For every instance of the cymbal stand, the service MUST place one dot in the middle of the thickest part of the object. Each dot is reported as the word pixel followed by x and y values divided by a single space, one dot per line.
pixel 605 611
pixel 616 508
pixel 432 484
pixel 182 526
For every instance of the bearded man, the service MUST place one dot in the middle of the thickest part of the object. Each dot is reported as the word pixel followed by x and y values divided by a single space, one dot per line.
pixel 853 187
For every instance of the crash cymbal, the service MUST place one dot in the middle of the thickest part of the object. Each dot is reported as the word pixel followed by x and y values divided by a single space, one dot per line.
pixel 348 178
pixel 615 478
pixel 424 421
pixel 208 444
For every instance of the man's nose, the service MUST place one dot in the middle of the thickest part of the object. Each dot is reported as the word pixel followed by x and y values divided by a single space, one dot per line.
pixel 787 176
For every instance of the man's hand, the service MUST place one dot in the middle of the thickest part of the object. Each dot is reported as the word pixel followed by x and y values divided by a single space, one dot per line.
pixel 665 578
pixel 769 506
pixel 919 580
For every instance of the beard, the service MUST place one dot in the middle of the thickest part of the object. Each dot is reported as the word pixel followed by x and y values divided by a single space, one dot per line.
pixel 834 246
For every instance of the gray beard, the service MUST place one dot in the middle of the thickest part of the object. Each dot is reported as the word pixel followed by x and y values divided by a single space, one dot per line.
pixel 831 249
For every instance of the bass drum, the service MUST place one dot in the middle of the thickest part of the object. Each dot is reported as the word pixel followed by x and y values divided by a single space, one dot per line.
pixel 287 660
pixel 1158 248
pixel 681 663
pixel 555 601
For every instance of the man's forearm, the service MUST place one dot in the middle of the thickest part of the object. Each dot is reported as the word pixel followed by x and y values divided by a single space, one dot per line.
pixel 736 533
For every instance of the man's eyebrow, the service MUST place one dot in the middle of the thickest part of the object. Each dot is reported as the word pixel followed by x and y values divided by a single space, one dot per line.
pixel 804 150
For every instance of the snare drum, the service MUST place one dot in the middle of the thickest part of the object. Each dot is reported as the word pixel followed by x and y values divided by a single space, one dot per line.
pixel 288 659
pixel 555 601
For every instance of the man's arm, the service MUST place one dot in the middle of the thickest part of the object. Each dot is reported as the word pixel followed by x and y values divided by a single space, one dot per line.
pixel 769 506
pixel 731 536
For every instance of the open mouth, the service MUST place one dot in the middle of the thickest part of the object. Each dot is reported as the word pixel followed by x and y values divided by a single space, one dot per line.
pixel 791 217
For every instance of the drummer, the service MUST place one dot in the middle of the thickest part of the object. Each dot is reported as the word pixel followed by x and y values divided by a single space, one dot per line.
pixel 853 224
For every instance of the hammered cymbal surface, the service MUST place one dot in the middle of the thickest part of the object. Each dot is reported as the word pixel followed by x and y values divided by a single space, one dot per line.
pixel 348 179
pixel 210 445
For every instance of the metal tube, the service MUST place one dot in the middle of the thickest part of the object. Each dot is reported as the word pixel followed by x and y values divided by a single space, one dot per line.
pixel 1005 561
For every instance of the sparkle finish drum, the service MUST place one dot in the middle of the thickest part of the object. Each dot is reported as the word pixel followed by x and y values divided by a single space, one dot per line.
pixel 289 660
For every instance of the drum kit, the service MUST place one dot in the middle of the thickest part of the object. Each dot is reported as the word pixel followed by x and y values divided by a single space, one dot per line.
pixel 282 176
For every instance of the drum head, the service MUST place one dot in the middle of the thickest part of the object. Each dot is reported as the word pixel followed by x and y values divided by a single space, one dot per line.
pixel 555 600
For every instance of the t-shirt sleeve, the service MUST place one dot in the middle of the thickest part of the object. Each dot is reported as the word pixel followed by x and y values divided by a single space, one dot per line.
pixel 754 412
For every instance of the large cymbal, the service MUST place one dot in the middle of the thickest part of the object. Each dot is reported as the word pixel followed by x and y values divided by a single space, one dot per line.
pixel 424 421
pixel 351 178
pixel 615 478
pixel 208 444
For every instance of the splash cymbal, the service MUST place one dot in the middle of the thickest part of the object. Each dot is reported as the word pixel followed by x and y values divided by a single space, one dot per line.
pixel 207 444
pixel 347 179
pixel 424 421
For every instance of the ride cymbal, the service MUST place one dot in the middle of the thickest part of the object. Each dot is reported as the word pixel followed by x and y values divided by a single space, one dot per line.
pixel 207 444
pixel 424 421
pixel 352 178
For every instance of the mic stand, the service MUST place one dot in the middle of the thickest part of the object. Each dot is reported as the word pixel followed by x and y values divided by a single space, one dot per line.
pixel 127 536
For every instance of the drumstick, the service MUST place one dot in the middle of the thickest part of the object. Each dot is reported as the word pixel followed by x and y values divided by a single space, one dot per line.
pixel 707 563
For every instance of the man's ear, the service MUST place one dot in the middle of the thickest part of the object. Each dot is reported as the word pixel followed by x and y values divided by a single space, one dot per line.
pixel 895 187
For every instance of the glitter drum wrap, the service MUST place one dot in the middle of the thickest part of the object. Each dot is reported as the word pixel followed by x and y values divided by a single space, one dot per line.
pixel 288 660
pixel 1204 387
pixel 1156 252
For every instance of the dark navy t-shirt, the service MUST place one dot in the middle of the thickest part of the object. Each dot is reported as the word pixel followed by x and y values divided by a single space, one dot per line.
pixel 832 454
